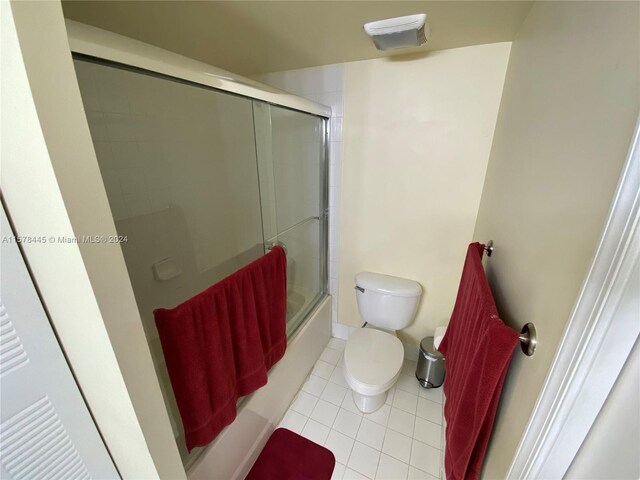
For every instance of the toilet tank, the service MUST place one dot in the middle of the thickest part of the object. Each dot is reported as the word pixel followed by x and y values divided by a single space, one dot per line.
pixel 385 301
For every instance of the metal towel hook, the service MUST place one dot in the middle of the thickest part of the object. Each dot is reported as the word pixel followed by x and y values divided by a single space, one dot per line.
pixel 489 248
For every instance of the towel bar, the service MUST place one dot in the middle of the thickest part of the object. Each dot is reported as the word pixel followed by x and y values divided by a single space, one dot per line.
pixel 528 337
pixel 275 237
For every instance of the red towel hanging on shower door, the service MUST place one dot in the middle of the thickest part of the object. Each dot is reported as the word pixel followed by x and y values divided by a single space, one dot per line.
pixel 219 344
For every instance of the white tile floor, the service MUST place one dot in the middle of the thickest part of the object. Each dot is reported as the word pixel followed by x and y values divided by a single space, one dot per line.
pixel 402 440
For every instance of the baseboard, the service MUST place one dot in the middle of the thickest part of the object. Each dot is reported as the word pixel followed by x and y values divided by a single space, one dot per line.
pixel 340 330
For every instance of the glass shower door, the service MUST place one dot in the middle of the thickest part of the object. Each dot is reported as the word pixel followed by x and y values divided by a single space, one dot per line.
pixel 202 182
pixel 290 147
pixel 179 168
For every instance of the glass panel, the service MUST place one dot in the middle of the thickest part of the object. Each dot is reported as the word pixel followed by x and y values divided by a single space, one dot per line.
pixel 304 283
pixel 291 164
pixel 179 167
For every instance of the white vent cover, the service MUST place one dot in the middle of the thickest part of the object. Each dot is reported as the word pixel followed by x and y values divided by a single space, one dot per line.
pixel 408 31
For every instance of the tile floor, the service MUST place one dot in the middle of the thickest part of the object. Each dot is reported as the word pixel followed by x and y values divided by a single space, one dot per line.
pixel 402 440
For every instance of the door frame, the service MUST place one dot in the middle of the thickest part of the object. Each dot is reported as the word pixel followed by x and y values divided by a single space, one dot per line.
pixel 595 344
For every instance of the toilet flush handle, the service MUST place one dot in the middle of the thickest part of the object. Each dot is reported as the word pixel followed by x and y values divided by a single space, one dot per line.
pixel 359 288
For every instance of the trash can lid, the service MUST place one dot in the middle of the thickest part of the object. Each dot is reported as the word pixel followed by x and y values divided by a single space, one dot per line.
pixel 427 348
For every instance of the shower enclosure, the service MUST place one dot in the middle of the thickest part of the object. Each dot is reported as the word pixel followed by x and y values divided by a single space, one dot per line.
pixel 200 183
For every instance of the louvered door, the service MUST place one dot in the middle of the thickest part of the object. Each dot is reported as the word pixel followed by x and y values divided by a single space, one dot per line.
pixel 46 431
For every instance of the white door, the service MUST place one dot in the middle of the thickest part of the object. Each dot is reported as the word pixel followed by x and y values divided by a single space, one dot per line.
pixel 46 431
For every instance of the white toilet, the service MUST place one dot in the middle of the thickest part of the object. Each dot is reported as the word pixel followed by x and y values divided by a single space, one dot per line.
pixel 373 355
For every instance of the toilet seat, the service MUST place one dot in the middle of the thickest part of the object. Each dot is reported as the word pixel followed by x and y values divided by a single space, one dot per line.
pixel 372 361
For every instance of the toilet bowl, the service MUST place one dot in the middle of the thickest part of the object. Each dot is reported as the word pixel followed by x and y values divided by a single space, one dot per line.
pixel 373 355
pixel 372 363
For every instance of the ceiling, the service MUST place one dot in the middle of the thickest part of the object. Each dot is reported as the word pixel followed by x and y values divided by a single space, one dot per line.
pixel 252 37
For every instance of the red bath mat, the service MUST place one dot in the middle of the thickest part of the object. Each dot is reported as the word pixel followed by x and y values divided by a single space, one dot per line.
pixel 288 456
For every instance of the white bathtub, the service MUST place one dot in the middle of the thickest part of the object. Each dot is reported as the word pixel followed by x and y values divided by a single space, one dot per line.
pixel 231 455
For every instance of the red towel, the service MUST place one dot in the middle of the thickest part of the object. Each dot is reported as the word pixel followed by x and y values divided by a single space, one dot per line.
pixel 219 344
pixel 477 348
pixel 288 456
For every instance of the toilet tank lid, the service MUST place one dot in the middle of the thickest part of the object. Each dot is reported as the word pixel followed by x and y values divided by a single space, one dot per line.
pixel 387 284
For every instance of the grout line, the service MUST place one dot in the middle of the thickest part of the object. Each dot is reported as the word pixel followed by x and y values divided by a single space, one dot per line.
pixel 305 424
pixel 354 445
pixel 411 453
pixel 332 429
pixel 379 459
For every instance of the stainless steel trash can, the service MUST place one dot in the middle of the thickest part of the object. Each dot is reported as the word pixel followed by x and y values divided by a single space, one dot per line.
pixel 430 369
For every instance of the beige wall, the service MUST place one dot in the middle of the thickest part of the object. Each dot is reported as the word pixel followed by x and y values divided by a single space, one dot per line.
pixel 417 137
pixel 566 118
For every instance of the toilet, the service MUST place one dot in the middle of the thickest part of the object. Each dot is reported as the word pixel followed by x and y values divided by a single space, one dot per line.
pixel 373 354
